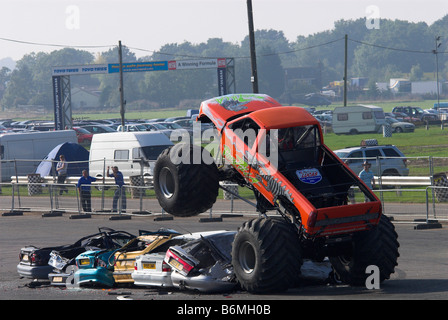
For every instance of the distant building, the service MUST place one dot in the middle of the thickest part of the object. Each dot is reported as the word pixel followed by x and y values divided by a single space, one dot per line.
pixel 425 87
pixel 82 98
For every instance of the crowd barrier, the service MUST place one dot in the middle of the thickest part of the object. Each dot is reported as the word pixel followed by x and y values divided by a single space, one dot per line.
pixel 408 199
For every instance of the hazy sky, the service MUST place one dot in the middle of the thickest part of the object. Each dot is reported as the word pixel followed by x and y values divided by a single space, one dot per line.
pixel 149 24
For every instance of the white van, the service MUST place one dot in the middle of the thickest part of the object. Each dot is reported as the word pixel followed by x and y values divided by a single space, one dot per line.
pixel 28 146
pixel 358 119
pixel 126 150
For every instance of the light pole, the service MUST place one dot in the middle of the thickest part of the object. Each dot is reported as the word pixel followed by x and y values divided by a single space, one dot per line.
pixel 253 59
pixel 437 68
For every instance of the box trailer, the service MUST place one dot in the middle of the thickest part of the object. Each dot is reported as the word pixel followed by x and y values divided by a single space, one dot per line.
pixel 21 153
pixel 358 119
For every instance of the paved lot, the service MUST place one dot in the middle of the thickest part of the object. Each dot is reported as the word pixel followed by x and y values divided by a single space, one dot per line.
pixel 421 272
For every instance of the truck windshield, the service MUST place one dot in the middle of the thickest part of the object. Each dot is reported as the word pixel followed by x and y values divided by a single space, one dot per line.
pixel 298 138
pixel 152 152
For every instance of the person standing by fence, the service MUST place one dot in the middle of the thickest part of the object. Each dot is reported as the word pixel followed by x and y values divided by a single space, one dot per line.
pixel 84 190
pixel 120 192
pixel 367 176
pixel 61 169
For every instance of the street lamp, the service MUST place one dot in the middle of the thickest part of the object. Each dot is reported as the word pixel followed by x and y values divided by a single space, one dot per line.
pixel 437 67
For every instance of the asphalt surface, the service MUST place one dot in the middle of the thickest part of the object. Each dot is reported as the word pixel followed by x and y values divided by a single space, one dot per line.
pixel 421 273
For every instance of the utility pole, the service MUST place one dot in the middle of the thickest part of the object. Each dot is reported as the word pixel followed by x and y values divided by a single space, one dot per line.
pixel 122 102
pixel 253 59
pixel 435 51
pixel 345 72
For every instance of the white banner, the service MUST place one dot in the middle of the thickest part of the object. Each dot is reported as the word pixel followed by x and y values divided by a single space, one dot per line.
pixel 81 69
pixel 197 64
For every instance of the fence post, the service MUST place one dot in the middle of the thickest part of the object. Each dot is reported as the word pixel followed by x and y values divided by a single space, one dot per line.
pixel 429 224
pixel 13 212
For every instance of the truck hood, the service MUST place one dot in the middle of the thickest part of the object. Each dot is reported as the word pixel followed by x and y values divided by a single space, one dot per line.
pixel 220 109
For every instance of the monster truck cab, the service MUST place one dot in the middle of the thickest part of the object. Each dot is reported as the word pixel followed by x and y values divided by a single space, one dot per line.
pixel 304 176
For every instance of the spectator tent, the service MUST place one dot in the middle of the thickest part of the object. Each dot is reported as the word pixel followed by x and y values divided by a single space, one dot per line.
pixel 72 152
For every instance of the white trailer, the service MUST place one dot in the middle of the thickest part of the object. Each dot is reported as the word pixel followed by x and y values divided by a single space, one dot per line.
pixel 358 119
pixel 126 150
pixel 20 153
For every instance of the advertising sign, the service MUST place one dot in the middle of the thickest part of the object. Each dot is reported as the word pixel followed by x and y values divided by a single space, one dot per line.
pixel 139 66
pixel 78 70
pixel 57 92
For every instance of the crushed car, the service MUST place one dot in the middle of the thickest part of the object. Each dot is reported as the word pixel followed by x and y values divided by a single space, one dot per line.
pixel 207 249
pixel 63 262
pixel 34 261
pixel 203 264
pixel 123 259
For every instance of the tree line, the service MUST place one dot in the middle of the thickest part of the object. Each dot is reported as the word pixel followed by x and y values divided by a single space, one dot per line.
pixel 396 49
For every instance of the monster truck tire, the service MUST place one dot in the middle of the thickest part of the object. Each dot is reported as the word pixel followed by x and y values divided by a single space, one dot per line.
pixel 185 189
pixel 377 246
pixel 266 255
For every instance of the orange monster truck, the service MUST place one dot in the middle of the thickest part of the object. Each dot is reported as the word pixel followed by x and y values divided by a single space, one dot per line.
pixel 279 153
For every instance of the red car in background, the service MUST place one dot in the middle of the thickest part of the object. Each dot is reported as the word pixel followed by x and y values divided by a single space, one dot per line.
pixel 84 136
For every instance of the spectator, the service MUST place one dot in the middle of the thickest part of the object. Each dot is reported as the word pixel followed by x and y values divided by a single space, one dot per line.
pixel 367 176
pixel 120 192
pixel 84 190
pixel 61 169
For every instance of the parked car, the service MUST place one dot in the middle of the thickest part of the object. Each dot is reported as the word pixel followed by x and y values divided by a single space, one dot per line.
pixel 84 136
pixel 177 131
pixel 323 117
pixel 34 261
pixel 388 157
pixel 400 126
pixel 415 114
pixel 132 127
pixel 190 124
pixel 157 127
pixel 152 269
pixel 98 128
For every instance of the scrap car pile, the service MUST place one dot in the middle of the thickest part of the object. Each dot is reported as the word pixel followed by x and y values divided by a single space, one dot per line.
pixel 163 258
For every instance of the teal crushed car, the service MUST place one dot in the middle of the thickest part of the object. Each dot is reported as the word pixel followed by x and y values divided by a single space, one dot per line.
pixel 94 269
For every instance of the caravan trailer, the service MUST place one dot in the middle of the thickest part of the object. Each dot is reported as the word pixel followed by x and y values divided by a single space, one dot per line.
pixel 358 119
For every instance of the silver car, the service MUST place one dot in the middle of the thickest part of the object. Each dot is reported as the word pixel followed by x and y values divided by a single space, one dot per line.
pixel 386 160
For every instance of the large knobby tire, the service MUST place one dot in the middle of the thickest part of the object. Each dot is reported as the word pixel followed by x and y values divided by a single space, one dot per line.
pixel 266 255
pixel 187 188
pixel 377 246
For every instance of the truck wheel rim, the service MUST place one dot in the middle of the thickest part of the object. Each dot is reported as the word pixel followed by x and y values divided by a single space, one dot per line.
pixel 247 257
pixel 166 183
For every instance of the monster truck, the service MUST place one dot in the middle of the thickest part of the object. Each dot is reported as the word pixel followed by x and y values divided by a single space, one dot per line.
pixel 301 188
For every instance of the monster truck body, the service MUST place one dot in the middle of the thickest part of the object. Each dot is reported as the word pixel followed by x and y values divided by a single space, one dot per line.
pixel 278 152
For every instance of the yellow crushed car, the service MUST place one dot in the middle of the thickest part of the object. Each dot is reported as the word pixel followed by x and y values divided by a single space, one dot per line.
pixel 124 258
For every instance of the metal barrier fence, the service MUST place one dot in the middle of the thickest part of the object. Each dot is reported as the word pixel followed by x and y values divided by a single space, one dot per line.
pixel 11 170
pixel 409 198
pixel 425 205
